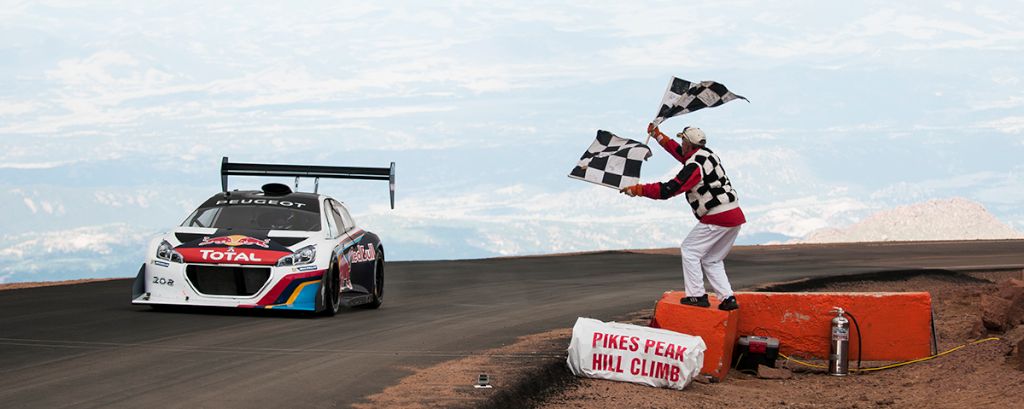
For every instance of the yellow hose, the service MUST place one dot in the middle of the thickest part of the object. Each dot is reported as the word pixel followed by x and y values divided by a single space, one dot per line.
pixel 879 368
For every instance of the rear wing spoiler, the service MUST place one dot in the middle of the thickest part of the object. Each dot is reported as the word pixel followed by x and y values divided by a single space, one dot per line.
pixel 316 172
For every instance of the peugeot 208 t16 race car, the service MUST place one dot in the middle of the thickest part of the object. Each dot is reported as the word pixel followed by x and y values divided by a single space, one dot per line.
pixel 268 248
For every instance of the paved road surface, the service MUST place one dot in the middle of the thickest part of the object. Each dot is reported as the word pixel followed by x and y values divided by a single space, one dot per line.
pixel 85 346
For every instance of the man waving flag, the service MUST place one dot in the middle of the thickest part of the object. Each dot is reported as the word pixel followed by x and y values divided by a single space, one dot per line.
pixel 709 191
pixel 683 96
pixel 715 204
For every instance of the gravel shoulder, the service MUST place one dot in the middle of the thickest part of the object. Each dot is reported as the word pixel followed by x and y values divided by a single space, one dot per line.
pixel 982 375
pixel 531 372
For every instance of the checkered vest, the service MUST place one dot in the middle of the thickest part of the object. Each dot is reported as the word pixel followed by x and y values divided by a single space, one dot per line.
pixel 714 189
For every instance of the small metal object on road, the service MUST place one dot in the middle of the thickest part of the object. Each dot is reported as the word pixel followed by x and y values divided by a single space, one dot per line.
pixel 483 381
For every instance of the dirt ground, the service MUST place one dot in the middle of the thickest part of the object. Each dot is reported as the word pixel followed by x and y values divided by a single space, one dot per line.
pixel 515 371
pixel 532 371
pixel 981 375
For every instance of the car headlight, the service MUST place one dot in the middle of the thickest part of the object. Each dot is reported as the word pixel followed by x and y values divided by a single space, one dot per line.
pixel 301 256
pixel 166 252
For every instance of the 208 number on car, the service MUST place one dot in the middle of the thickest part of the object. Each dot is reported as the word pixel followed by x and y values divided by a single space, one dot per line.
pixel 163 281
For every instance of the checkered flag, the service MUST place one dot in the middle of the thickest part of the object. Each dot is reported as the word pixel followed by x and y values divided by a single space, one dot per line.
pixel 611 161
pixel 683 96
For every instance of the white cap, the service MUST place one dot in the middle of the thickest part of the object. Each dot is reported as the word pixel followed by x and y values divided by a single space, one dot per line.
pixel 694 135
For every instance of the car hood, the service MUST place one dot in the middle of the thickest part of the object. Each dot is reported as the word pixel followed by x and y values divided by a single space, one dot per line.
pixel 236 246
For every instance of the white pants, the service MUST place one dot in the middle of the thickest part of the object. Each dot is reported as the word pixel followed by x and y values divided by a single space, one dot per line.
pixel 704 249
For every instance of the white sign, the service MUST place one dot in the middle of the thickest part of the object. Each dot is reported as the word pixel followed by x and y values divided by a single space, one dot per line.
pixel 623 352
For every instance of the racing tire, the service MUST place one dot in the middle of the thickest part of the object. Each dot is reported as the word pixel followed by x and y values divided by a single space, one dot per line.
pixel 378 284
pixel 330 293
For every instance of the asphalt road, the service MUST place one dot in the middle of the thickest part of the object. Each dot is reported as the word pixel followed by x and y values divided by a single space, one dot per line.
pixel 85 346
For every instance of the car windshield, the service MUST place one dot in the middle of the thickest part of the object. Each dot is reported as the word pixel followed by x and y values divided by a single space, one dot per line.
pixel 254 217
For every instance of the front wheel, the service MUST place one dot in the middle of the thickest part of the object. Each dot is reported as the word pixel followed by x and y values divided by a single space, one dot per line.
pixel 378 284
pixel 330 293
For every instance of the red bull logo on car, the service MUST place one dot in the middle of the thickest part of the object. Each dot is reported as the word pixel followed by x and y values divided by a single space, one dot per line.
pixel 235 240
pixel 363 253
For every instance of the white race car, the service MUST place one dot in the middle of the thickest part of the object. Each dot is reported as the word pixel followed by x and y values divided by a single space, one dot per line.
pixel 269 248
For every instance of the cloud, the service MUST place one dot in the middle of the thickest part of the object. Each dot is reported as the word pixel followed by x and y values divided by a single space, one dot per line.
pixel 1010 124
pixel 140 198
pixel 525 219
pixel 34 165
pixel 93 239
pixel 522 219
pixel 484 101
pixel 380 112
pixel 800 216
pixel 1004 103
pixel 889 30
pixel 1003 15
pixel 91 251
pixel 30 204
pixel 95 70
pixel 36 205
pixel 11 108
pixel 1005 76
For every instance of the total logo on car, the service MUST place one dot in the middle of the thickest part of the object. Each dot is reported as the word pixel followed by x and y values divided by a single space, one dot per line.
pixel 245 249
pixel 230 255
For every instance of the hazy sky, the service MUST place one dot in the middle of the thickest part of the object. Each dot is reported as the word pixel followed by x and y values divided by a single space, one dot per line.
pixel 114 116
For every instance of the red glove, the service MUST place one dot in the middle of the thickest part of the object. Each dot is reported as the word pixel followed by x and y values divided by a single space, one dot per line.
pixel 632 191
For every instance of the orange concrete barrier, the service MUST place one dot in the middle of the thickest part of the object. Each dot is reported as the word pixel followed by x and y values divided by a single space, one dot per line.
pixel 716 328
pixel 894 326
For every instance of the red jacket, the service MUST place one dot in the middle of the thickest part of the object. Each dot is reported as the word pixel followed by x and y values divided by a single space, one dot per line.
pixel 687 179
